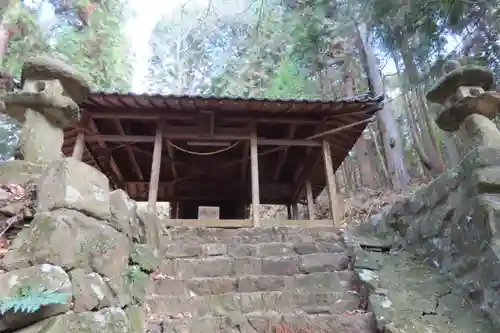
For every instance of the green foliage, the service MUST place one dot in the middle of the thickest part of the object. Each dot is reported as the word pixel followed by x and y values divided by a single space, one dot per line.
pixel 30 300
pixel 290 81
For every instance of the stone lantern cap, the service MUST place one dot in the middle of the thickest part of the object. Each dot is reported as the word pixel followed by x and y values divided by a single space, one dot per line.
pixel 462 92
pixel 486 103
pixel 469 75
pixel 50 87
pixel 75 84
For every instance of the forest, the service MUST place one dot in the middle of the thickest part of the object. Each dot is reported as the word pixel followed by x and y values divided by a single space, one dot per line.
pixel 285 49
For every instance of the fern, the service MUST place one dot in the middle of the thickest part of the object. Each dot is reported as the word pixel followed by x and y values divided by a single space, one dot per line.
pixel 30 301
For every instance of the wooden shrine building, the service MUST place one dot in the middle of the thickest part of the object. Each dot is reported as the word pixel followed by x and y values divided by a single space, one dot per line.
pixel 224 152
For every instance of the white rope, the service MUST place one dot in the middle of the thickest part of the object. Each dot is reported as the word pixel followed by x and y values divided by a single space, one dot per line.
pixel 203 154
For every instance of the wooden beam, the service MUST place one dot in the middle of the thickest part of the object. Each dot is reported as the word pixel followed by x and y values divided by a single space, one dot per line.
pixel 283 189
pixel 330 182
pixel 111 176
pixel 155 168
pixel 212 223
pixel 187 136
pixel 277 171
pixel 170 151
pixel 311 211
pixel 112 163
pixel 174 209
pixel 130 153
pixel 335 130
pixel 145 114
pixel 254 162
pixel 244 164
pixel 79 146
pixel 295 211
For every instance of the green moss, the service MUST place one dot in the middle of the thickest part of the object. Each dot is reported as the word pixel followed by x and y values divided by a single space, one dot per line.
pixel 145 256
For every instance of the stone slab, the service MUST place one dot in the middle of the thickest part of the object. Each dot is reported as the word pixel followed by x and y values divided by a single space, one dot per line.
pixel 70 183
pixel 276 265
pixel 314 282
pixel 224 304
pixel 268 322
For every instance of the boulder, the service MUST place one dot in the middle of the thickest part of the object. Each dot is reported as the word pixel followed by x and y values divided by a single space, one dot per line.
pixel 89 244
pixel 70 183
pixel 123 214
pixel 33 284
pixel 106 320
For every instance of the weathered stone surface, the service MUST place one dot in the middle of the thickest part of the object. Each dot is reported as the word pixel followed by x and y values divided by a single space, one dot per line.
pixel 63 185
pixel 105 320
pixel 30 281
pixel 43 67
pixel 469 75
pixel 257 235
pixel 285 302
pixel 269 322
pixel 456 226
pixel 19 172
pixel 149 223
pixel 207 267
pixel 123 214
pixel 321 262
pixel 90 291
pixel 40 141
pixel 50 103
pixel 89 244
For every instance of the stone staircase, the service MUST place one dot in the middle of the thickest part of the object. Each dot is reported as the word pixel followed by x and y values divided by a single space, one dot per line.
pixel 278 279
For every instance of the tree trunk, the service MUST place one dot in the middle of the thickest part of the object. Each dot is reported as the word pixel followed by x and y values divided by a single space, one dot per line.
pixel 430 146
pixel 367 172
pixel 393 149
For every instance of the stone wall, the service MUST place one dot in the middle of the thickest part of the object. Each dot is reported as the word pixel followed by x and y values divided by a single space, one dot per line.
pixel 83 257
pixel 453 223
pixel 85 243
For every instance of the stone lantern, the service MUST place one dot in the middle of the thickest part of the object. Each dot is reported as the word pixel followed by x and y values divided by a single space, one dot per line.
pixel 468 103
pixel 47 103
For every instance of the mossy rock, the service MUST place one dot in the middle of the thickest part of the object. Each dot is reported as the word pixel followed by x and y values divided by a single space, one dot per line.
pixel 470 75
pixel 145 256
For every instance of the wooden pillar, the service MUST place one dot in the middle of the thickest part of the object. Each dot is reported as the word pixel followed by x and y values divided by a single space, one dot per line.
pixel 295 211
pixel 330 181
pixel 173 209
pixel 79 146
pixel 311 211
pixel 289 211
pixel 255 179
pixel 155 168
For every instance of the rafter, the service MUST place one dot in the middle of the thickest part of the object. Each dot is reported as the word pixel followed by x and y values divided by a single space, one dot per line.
pixel 131 155
pixel 187 136
pixel 112 163
pixel 277 172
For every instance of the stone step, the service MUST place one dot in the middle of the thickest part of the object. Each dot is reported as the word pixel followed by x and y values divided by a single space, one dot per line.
pixel 268 323
pixel 314 282
pixel 181 249
pixel 268 301
pixel 239 266
pixel 254 235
